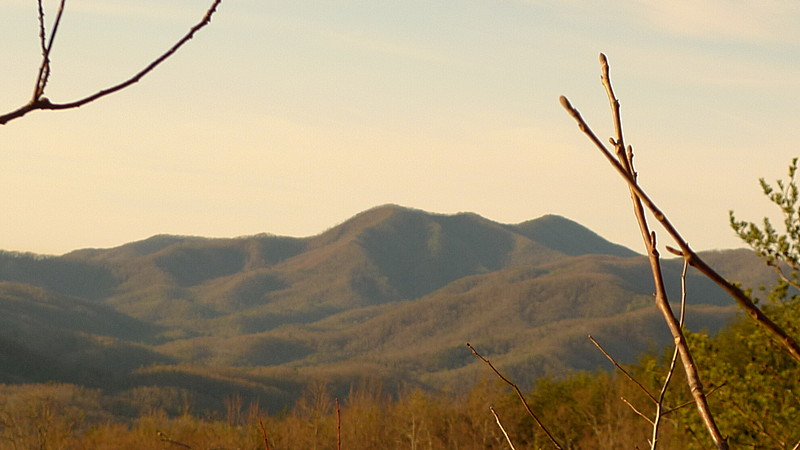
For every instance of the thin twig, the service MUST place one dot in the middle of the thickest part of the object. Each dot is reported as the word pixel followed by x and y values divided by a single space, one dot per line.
pixel 47 47
pixel 338 426
pixel 43 44
pixel 41 102
pixel 519 394
pixel 691 402
pixel 621 369
pixel 644 416
pixel 165 438
pixel 499 424
pixel 263 433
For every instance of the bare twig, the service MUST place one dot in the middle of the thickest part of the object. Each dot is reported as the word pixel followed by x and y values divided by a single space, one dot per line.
pixel 47 47
pixel 622 369
pixel 499 424
pixel 263 433
pixel 519 394
pixel 165 438
pixel 43 43
pixel 38 101
pixel 623 163
pixel 691 402
pixel 338 426
pixel 643 415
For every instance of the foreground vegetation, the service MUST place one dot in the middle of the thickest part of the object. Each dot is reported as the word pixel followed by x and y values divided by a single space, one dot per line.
pixel 583 408
pixel 754 391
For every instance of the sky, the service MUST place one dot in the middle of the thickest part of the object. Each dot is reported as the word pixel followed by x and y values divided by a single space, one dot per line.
pixel 289 117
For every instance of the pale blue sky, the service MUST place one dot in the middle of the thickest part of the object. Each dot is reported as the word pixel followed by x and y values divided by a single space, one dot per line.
pixel 290 117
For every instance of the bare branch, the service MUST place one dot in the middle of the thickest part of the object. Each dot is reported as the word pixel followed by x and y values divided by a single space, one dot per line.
pixel 42 32
pixel 619 142
pixel 263 433
pixel 624 165
pixel 499 424
pixel 40 102
pixel 47 47
pixel 165 438
pixel 338 426
pixel 519 394
pixel 691 402
pixel 644 416
pixel 734 291
pixel 621 369
pixel 673 361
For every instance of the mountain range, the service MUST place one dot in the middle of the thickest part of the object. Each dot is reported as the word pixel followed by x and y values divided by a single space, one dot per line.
pixel 392 294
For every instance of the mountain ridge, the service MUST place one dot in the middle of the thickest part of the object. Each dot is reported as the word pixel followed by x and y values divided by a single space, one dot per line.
pixel 395 289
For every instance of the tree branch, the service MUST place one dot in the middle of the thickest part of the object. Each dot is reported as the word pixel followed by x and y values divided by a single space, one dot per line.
pixel 621 369
pixel 167 439
pixel 39 102
pixel 672 363
pixel 641 414
pixel 695 261
pixel 519 394
pixel 47 47
pixel 43 44
pixel 338 426
pixel 499 424
pixel 624 165
pixel 263 433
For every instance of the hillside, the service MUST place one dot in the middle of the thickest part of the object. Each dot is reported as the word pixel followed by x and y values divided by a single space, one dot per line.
pixel 392 293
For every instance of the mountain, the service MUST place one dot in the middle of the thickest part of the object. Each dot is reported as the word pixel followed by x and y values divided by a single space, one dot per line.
pixel 392 293
pixel 568 237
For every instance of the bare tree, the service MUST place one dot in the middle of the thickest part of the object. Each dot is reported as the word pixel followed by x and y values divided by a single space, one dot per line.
pixel 38 100
pixel 623 163
pixel 622 160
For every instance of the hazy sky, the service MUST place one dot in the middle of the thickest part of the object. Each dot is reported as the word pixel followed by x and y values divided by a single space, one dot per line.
pixel 288 117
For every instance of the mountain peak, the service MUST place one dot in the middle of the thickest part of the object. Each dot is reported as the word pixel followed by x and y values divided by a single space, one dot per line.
pixel 569 237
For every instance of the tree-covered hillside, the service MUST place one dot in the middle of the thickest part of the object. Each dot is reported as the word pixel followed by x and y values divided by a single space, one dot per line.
pixel 393 292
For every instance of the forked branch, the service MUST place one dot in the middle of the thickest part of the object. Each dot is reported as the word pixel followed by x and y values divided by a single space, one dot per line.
pixel 47 47
pixel 40 102
pixel 744 302
pixel 623 163
pixel 660 403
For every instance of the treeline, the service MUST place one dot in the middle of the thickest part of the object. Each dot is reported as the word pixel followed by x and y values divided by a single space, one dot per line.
pixel 755 397
pixel 584 410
